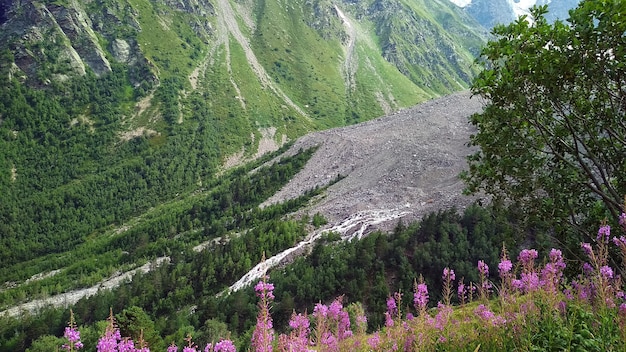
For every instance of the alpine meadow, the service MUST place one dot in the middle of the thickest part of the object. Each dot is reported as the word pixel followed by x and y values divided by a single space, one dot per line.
pixel 312 175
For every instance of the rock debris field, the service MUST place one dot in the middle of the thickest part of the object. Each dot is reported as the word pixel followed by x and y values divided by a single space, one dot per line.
pixel 407 163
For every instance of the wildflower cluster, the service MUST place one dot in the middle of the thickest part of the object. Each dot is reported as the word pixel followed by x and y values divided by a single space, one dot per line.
pixel 536 304
pixel 72 335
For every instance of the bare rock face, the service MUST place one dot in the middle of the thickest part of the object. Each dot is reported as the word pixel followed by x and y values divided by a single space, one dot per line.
pixel 121 50
pixel 58 40
pixel 77 27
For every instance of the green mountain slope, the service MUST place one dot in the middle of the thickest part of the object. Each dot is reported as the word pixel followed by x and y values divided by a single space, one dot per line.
pixel 111 108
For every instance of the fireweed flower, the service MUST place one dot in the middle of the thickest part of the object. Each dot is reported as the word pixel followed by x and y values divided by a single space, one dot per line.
pixel 420 297
pixel 505 267
pixel 263 334
pixel 587 268
pixel 448 274
pixel 484 313
pixel 330 342
pixel 527 256
pixel 552 273
pixel 127 345
pixel 72 335
pixel 224 346
pixel 361 323
pixel 299 339
pixel 374 341
pixel 483 268
pixel 530 281
pixel 587 248
pixel 620 241
pixel 444 313
pixel 388 320
pixel 606 272
pixel 172 348
pixel 392 308
pixel 485 285
pixel 604 233
pixel 299 322
pixel 461 292
pixel 320 311
pixel 264 289
pixel 392 311
pixel 108 342
pixel 335 308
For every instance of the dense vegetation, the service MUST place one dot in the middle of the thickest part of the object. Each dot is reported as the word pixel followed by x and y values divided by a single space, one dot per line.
pixel 533 305
pixel 180 297
pixel 552 136
pixel 84 200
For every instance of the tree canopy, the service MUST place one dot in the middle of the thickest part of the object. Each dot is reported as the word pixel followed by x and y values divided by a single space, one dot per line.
pixel 552 136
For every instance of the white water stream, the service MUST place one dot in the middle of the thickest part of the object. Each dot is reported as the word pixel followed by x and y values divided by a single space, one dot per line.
pixel 352 227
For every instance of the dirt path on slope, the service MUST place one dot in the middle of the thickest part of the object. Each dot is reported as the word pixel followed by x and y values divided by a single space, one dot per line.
pixel 407 162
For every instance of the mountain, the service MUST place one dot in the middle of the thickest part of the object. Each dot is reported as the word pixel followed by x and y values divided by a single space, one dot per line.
pixel 135 136
pixel 112 107
pixel 121 121
pixel 491 12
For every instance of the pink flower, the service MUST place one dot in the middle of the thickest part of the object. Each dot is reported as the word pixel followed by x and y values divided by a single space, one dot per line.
pixel 587 268
pixel 224 346
pixel 527 256
pixel 320 310
pixel 330 342
pixel 461 291
pixel 483 268
pixel 108 342
pixel 420 296
pixel 586 248
pixel 606 272
pixel 604 233
pixel 299 322
pixel 126 345
pixel 264 288
pixel 448 274
pixel 484 313
pixel 620 241
pixel 335 308
pixel 504 267
pixel 263 333
pixel 391 306
pixel 374 341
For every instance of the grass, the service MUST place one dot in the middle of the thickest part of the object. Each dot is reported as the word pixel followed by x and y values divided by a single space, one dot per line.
pixel 166 39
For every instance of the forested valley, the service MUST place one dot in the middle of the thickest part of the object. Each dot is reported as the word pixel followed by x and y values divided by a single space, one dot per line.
pixel 189 295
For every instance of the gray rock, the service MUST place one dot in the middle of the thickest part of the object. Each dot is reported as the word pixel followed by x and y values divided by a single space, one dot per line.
pixel 121 50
